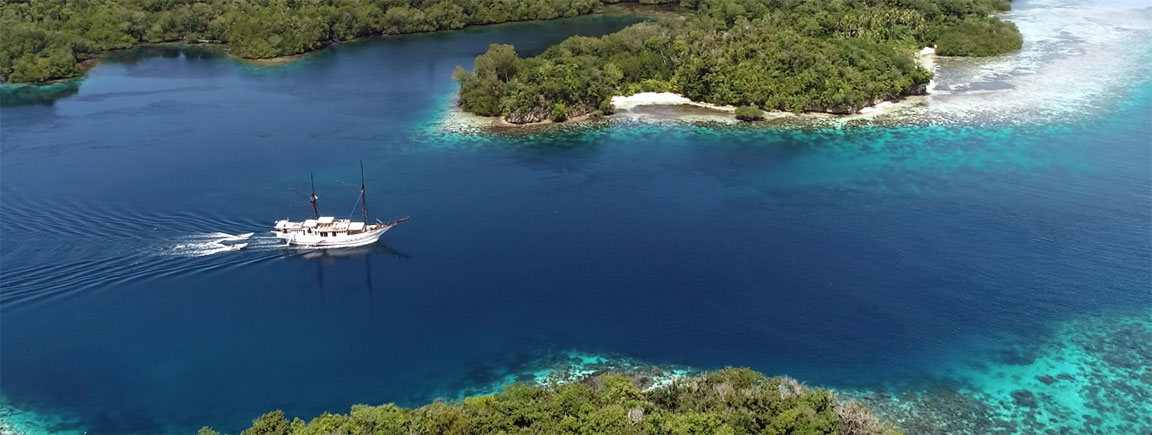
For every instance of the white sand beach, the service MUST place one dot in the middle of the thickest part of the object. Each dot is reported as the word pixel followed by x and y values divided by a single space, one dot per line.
pixel 621 102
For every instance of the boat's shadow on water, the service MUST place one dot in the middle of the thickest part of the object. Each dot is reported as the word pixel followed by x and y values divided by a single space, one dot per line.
pixel 329 256
pixel 324 258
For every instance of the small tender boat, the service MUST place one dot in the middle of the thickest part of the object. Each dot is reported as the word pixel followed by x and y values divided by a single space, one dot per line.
pixel 323 232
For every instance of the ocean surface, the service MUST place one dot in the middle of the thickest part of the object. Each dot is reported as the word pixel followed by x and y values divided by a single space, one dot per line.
pixel 976 260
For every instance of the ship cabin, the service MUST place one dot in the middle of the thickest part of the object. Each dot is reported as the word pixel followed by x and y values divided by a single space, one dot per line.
pixel 325 226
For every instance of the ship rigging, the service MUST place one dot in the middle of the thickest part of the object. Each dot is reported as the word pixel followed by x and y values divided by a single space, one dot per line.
pixel 323 232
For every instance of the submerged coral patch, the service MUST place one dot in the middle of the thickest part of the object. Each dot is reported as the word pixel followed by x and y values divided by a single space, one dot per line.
pixel 16 419
pixel 1091 376
pixel 575 366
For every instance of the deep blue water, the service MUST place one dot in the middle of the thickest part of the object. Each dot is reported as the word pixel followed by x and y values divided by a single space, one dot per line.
pixel 846 257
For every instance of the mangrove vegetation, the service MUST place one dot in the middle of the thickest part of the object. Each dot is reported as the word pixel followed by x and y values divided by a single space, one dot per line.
pixel 834 56
pixel 42 40
pixel 731 401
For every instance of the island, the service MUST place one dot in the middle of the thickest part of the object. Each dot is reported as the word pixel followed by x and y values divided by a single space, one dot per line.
pixel 783 55
pixel 728 401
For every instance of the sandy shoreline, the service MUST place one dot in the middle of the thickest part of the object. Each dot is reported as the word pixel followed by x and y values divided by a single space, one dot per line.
pixel 621 102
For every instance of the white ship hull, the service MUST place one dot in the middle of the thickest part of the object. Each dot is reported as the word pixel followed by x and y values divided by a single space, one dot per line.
pixel 337 241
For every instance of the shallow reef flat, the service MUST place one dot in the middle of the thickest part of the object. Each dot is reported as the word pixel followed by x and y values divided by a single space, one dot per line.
pixel 574 366
pixel 15 420
pixel 1090 376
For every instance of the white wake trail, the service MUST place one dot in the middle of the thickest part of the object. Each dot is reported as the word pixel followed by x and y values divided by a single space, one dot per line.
pixel 199 245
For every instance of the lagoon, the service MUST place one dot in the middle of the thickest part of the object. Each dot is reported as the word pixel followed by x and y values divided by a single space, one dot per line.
pixel 967 250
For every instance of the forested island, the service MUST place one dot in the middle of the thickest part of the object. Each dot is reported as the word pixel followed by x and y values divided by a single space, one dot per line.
pixel 730 401
pixel 787 55
pixel 46 40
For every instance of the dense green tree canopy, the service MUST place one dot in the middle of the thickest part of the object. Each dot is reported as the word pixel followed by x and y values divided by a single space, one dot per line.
pixel 43 40
pixel 978 36
pixel 834 56
pixel 731 401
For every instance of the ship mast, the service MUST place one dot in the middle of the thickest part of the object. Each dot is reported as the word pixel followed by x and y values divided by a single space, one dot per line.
pixel 312 199
pixel 363 199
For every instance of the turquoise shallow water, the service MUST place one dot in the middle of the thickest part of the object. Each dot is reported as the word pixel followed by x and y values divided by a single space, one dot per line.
pixel 934 267
pixel 1090 375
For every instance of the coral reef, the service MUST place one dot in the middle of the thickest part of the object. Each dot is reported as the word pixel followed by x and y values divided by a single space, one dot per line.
pixel 1091 376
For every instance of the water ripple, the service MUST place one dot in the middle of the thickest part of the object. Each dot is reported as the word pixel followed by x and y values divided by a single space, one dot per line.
pixel 119 246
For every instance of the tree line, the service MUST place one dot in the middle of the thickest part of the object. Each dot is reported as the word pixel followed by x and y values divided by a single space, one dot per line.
pixel 45 40
pixel 832 56
pixel 731 401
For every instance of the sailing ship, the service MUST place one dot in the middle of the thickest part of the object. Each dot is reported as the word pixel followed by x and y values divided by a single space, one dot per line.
pixel 323 232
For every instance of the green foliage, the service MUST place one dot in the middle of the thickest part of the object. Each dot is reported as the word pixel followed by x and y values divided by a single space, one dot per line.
pixel 653 85
pixel 730 401
pixel 272 423
pixel 560 112
pixel 488 80
pixel 528 90
pixel 749 113
pixel 979 37
pixel 606 107
pixel 793 55
pixel 46 40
